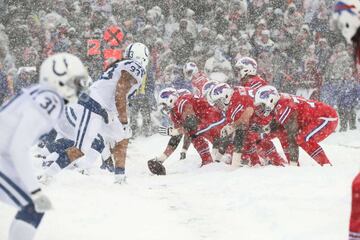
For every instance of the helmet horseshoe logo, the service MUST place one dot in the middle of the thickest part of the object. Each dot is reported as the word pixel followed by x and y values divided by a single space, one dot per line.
pixel 57 72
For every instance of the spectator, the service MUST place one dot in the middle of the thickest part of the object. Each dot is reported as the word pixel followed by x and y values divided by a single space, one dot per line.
pixel 218 68
pixel 182 43
pixel 6 84
pixel 309 85
pixel 347 102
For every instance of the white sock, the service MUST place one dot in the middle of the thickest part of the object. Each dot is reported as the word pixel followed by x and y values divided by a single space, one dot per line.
pixel 236 159
pixel 20 230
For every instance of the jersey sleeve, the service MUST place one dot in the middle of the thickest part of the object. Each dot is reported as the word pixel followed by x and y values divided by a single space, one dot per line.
pixel 31 126
pixel 234 112
pixel 283 112
pixel 49 103
pixel 135 69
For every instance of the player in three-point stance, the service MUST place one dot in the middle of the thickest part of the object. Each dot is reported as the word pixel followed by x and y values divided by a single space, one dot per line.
pixel 24 118
pixel 191 116
pixel 306 122
pixel 101 114
pixel 243 126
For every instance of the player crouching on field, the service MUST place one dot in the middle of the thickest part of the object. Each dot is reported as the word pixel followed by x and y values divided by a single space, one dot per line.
pixel 243 126
pixel 306 122
pixel 101 115
pixel 191 116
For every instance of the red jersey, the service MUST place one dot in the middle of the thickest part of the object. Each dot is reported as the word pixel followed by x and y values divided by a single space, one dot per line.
pixel 240 100
pixel 255 82
pixel 307 110
pixel 198 80
pixel 207 114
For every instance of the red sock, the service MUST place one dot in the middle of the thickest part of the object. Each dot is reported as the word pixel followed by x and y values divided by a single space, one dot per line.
pixel 268 151
pixel 202 147
pixel 354 229
pixel 316 152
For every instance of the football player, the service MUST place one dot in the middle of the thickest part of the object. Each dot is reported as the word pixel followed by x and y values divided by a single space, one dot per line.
pixel 238 105
pixel 346 16
pixel 191 116
pixel 24 118
pixel 247 69
pixel 101 114
pixel 307 122
pixel 197 78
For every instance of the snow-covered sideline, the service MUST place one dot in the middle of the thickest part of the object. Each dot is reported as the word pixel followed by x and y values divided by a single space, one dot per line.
pixel 213 202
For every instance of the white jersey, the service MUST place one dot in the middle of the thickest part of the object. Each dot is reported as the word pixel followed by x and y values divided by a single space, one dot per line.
pixel 23 119
pixel 68 120
pixel 103 90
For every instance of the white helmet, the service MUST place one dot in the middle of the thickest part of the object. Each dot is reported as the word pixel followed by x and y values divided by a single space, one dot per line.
pixel 167 98
pixel 220 95
pixel 138 52
pixel 65 73
pixel 266 98
pixel 246 66
pixel 183 91
pixel 207 87
pixel 189 70
pixel 346 16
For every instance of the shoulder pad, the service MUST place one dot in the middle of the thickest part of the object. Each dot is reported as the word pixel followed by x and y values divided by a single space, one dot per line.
pixel 49 102
pixel 134 68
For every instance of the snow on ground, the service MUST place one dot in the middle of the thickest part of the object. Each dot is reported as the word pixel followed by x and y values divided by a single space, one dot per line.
pixel 213 202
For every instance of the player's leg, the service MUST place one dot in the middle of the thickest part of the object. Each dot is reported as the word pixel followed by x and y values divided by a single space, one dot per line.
pixel 267 150
pixel 352 121
pixel 86 133
pixel 354 228
pixel 312 134
pixel 316 152
pixel 249 150
pixel 26 221
pixel 202 147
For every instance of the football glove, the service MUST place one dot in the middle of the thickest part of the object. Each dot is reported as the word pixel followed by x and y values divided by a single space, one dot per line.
pixel 41 202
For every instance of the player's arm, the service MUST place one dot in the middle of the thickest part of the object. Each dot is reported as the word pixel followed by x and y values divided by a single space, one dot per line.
pixel 244 119
pixel 186 145
pixel 170 148
pixel 23 139
pixel 190 121
pixel 123 87
pixel 291 127
pixel 241 123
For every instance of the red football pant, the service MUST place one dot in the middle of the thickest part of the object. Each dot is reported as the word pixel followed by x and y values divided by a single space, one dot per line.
pixel 354 229
pixel 202 147
pixel 315 132
pixel 267 150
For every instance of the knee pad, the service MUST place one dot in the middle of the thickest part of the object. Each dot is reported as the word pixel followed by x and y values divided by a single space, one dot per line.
pixel 60 145
pixel 98 144
pixel 29 215
pixel 63 160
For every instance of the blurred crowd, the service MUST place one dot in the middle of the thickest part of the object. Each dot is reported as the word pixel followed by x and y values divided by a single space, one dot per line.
pixel 296 48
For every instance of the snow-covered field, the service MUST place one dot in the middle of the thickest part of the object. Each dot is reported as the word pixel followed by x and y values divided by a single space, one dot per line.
pixel 214 202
